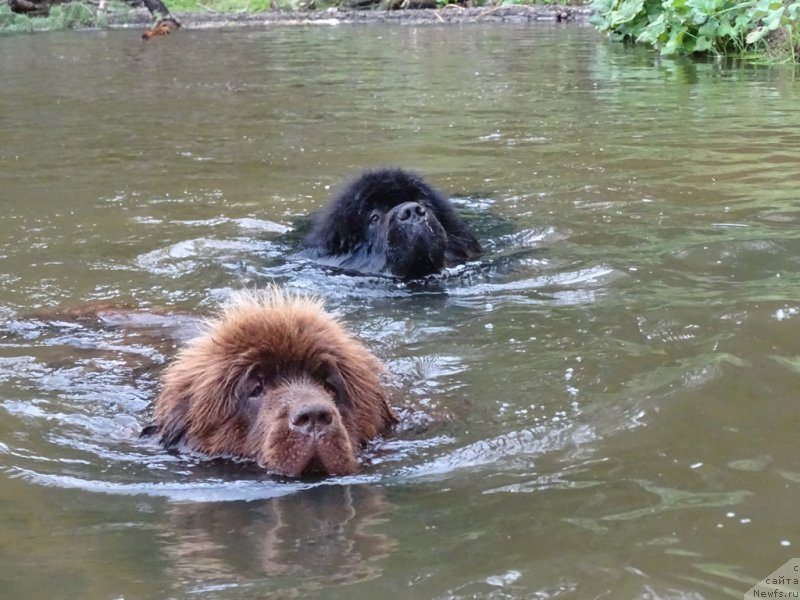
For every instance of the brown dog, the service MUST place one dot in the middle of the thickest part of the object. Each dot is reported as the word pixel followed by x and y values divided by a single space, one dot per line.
pixel 277 380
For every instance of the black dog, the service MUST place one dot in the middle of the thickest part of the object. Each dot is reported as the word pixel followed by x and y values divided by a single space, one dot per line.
pixel 391 222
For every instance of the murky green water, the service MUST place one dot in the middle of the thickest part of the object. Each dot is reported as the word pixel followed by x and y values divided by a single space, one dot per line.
pixel 616 383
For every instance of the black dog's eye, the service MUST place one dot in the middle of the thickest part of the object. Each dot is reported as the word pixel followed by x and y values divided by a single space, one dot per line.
pixel 374 218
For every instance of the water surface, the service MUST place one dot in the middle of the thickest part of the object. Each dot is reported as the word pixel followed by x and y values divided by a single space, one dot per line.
pixel 613 386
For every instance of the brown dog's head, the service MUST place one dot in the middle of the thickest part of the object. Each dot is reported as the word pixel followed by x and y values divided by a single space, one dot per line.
pixel 277 380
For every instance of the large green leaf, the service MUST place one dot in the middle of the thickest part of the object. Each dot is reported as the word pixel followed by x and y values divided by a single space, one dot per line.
pixel 725 30
pixel 703 44
pixel 653 32
pixel 674 42
pixel 773 18
pixel 626 11
pixel 709 29
pixel 707 7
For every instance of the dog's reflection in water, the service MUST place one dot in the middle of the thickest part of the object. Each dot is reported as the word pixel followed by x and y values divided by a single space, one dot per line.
pixel 286 546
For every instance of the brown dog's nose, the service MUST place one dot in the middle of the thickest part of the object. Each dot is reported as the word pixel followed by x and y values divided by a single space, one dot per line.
pixel 312 418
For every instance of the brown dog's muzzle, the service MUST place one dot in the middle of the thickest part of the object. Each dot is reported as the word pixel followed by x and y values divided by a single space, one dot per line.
pixel 301 432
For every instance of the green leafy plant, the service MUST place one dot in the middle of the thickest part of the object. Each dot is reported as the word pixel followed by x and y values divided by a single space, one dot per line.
pixel 72 15
pixel 689 26
pixel 11 22
pixel 63 16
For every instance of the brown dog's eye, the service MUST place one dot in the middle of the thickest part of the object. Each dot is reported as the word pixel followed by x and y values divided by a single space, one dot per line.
pixel 258 388
pixel 250 386
pixel 335 384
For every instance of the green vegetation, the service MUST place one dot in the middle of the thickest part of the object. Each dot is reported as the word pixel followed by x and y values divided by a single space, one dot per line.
pixel 237 6
pixel 76 14
pixel 757 28
pixel 63 16
pixel 544 2
pixel 228 6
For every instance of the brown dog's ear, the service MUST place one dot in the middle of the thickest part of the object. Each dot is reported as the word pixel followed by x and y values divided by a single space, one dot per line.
pixel 174 435
pixel 174 426
pixel 149 430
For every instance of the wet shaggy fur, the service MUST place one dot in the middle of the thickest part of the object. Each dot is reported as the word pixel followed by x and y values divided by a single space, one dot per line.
pixel 391 222
pixel 277 380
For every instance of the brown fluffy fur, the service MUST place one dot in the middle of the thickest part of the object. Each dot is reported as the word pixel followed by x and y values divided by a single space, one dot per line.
pixel 277 380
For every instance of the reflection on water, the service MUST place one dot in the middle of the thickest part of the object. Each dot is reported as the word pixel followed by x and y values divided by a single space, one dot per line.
pixel 603 405
pixel 291 546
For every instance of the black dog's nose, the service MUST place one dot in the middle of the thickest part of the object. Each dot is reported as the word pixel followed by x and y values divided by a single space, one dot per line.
pixel 410 210
pixel 312 419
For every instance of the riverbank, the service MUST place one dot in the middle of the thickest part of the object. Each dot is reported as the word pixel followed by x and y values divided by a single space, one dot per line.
pixel 332 16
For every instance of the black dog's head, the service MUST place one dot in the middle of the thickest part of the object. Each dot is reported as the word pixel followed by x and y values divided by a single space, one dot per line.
pixel 390 221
